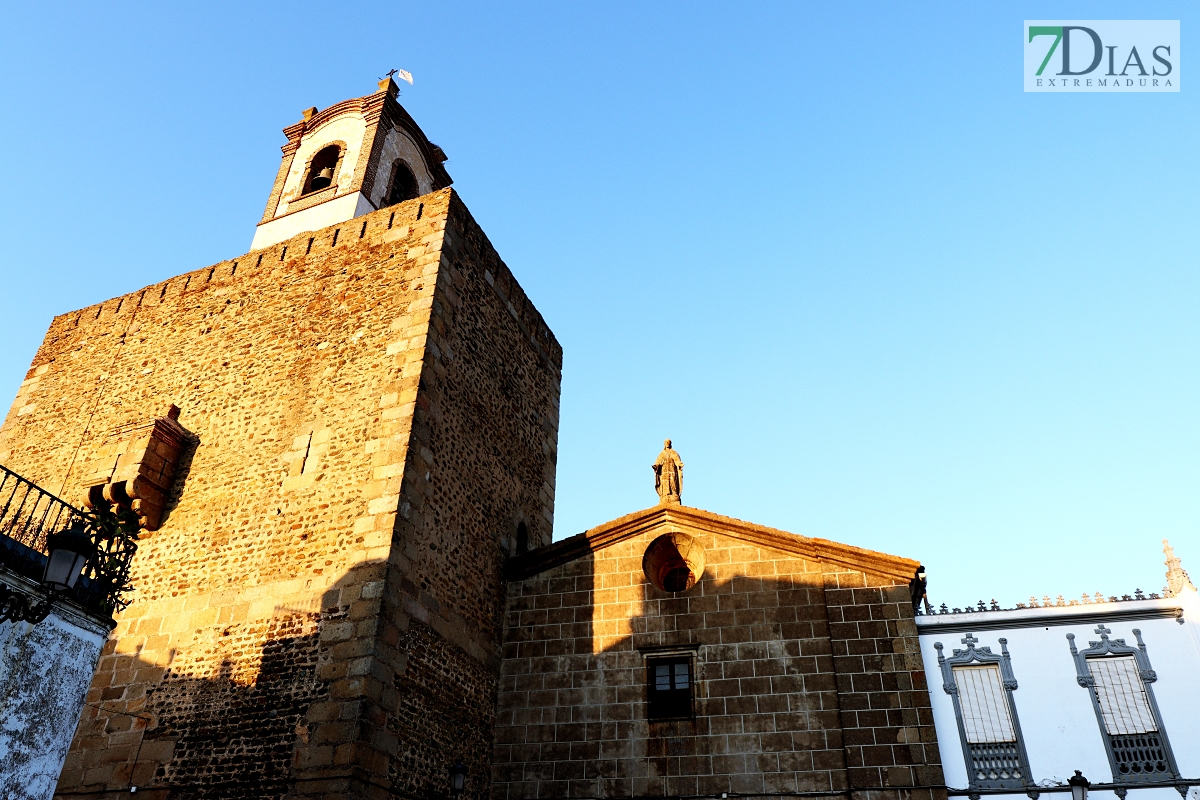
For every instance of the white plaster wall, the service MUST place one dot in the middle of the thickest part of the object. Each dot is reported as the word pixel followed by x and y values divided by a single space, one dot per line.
pixel 45 672
pixel 398 145
pixel 1057 720
pixel 350 129
pixel 313 218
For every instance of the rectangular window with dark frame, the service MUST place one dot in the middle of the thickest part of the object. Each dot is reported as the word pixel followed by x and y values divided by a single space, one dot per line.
pixel 669 687
pixel 981 684
pixel 1120 677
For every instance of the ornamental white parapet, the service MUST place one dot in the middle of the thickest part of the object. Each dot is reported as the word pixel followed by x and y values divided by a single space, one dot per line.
pixel 1023 697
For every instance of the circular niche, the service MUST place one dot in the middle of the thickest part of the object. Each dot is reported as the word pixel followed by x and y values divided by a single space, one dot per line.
pixel 674 562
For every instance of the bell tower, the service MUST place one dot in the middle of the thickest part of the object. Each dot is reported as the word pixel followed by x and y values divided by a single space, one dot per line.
pixel 352 158
pixel 363 427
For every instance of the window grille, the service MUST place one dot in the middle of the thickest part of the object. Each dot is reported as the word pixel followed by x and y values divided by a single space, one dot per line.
pixel 669 690
pixel 981 684
pixel 1119 679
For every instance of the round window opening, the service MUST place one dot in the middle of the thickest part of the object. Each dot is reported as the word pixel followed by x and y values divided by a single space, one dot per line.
pixel 674 562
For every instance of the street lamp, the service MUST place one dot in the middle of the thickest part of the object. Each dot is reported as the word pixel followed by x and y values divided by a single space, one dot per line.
pixel 67 553
pixel 458 777
pixel 1079 786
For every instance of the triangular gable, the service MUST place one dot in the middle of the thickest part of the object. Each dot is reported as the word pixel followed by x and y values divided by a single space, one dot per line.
pixel 686 519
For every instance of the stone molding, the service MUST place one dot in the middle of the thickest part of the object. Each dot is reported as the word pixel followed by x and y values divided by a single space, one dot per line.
pixel 311 199
pixel 1007 619
pixel 688 519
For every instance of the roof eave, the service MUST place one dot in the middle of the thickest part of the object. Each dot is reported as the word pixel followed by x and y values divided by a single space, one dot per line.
pixel 684 517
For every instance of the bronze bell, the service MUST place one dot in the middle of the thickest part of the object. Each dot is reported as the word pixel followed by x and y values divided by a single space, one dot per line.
pixel 322 179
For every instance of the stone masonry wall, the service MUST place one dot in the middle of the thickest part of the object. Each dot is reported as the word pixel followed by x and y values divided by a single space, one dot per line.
pixel 768 713
pixel 319 379
pixel 887 717
pixel 482 460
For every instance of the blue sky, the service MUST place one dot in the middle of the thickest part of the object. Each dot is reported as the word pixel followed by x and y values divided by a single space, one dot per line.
pixel 873 291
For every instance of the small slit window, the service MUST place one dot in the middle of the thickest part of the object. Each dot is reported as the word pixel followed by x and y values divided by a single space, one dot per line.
pixel 669 693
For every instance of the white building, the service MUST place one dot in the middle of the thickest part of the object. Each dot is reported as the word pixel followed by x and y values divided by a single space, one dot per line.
pixel 1024 697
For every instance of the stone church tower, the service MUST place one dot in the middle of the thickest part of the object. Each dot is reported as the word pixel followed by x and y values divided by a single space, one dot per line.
pixel 356 426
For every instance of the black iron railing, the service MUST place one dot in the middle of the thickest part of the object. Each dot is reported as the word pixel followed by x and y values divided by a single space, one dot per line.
pixel 29 514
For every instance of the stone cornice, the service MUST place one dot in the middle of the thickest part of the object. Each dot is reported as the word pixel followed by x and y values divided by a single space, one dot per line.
pixel 311 199
pixel 294 134
pixel 687 519
pixel 355 105
pixel 1089 614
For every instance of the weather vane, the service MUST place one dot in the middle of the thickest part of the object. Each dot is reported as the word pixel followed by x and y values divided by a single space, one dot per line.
pixel 405 75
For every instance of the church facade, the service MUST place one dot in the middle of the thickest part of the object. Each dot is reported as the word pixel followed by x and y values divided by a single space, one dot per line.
pixel 775 666
pixel 346 585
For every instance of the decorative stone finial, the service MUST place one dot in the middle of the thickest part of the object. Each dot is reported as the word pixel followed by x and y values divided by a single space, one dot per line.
pixel 1177 577
pixel 668 475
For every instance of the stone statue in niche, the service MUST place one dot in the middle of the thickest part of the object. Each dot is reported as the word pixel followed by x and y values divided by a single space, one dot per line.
pixel 137 467
pixel 668 475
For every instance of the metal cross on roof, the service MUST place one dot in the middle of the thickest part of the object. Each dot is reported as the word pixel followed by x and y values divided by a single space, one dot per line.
pixel 391 73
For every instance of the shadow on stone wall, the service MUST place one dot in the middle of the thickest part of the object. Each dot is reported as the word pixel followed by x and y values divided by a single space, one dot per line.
pixel 234 739
pixel 804 684
pixel 247 707
pixel 447 702
pixel 183 468
pixel 161 724
pixel 551 725
pixel 802 687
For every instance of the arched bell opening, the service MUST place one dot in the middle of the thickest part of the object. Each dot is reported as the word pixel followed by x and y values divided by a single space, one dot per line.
pixel 403 186
pixel 322 169
pixel 674 562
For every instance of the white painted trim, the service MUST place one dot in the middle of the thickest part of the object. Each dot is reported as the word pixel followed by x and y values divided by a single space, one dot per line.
pixel 322 215
pixel 1165 607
